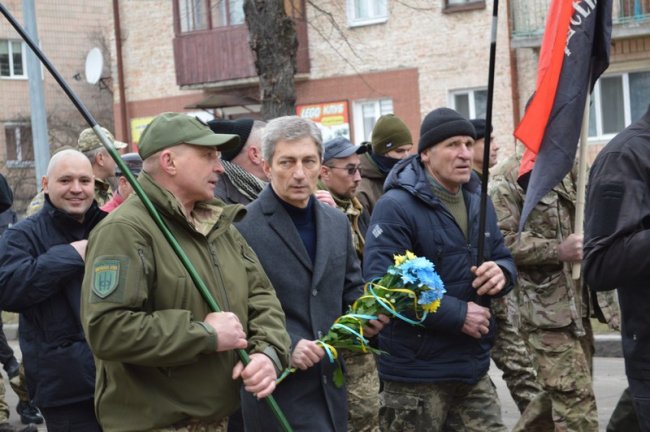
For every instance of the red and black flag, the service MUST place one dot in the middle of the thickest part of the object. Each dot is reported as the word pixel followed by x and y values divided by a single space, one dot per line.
pixel 574 53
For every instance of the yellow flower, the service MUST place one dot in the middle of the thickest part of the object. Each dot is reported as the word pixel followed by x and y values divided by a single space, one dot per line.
pixel 410 255
pixel 432 307
pixel 399 259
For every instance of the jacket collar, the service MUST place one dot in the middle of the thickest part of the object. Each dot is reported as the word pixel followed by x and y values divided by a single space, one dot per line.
pixel 212 216
pixel 279 221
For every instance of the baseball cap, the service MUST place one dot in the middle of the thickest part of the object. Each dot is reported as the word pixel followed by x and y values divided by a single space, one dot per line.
pixel 172 129
pixel 341 147
pixel 88 140
pixel 133 162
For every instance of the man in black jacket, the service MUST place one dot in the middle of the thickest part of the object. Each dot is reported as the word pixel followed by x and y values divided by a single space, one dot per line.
pixel 617 239
pixel 41 269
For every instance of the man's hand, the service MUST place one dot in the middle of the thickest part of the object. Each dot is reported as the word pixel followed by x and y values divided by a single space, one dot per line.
pixel 80 247
pixel 325 197
pixel 259 375
pixel 306 354
pixel 230 333
pixel 373 327
pixel 490 279
pixel 477 320
pixel 570 250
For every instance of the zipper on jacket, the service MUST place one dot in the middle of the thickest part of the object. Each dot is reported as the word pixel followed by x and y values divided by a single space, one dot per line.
pixel 217 272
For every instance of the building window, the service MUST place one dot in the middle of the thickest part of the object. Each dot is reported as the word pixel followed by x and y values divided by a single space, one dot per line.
pixel 12 59
pixel 469 103
pixel 193 15
pixel 366 12
pixel 617 101
pixel 227 12
pixel 366 114
pixel 461 5
pixel 20 149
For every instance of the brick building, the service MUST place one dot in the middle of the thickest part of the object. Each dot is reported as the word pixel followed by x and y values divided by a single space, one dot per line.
pixel 357 59
pixel 366 57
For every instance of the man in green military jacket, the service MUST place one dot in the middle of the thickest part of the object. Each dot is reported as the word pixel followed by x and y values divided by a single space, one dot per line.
pixel 165 362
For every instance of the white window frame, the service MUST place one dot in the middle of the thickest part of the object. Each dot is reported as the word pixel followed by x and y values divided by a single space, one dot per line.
pixel 187 16
pixel 355 21
pixel 596 102
pixel 471 92
pixel 19 162
pixel 23 53
pixel 360 135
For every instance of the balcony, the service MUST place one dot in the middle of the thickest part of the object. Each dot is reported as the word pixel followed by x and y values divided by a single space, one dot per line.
pixel 630 18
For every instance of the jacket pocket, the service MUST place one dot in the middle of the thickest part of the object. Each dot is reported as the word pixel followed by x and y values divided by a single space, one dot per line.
pixel 545 304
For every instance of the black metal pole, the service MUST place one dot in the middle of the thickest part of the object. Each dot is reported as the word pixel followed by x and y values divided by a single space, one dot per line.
pixel 488 132
pixel 196 278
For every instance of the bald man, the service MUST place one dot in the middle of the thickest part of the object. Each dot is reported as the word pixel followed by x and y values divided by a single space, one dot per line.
pixel 41 269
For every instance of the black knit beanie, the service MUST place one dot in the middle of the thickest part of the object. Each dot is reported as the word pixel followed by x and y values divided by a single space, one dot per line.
pixel 241 127
pixel 479 127
pixel 443 123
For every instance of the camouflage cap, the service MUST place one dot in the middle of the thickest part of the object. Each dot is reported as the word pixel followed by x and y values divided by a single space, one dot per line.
pixel 172 129
pixel 88 140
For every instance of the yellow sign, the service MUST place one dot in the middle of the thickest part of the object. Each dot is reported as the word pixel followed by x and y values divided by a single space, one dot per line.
pixel 137 127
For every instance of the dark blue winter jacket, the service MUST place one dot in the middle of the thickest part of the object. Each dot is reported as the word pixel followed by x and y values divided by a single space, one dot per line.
pixel 409 217
pixel 40 278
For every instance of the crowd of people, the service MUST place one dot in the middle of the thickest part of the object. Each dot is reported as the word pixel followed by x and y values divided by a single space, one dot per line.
pixel 285 229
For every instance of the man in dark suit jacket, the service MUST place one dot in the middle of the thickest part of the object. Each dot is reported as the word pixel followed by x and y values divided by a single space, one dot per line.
pixel 306 249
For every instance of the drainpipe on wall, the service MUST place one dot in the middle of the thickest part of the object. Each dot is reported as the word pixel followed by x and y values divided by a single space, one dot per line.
pixel 514 73
pixel 120 72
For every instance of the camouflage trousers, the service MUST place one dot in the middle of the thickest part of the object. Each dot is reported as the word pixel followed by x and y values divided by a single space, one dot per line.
pixel 511 356
pixel 412 407
pixel 197 426
pixel 564 367
pixel 18 385
pixel 362 384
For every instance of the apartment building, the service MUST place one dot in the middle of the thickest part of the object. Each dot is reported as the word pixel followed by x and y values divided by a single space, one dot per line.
pixel 357 60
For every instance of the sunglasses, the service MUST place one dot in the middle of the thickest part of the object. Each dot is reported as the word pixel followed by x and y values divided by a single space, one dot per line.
pixel 351 169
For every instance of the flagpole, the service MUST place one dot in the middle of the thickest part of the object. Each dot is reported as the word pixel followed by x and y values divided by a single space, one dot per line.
pixel 488 135
pixel 582 181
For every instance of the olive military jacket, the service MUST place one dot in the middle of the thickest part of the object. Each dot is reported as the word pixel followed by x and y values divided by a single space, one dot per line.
pixel 156 360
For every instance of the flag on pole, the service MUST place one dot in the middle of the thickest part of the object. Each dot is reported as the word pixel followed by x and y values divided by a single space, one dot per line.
pixel 574 53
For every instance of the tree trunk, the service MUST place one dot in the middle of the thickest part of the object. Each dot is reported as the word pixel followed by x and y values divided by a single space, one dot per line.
pixel 274 41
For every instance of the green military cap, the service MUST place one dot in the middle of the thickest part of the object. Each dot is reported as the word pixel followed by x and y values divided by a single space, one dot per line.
pixel 172 129
pixel 88 140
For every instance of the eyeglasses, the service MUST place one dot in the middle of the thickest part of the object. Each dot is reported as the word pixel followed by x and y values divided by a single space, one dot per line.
pixel 351 169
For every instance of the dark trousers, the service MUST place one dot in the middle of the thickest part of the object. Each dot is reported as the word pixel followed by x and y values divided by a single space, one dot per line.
pixel 640 391
pixel 78 417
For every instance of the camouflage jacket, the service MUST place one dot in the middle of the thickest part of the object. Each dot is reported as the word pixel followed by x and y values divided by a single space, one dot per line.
pixel 357 217
pixel 547 294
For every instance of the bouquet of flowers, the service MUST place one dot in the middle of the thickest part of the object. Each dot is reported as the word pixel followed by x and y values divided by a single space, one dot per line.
pixel 410 286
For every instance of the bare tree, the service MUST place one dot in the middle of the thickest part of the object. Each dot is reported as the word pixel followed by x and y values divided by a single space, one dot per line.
pixel 274 41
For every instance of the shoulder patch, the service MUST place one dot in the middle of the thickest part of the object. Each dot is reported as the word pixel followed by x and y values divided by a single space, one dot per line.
pixel 106 277
pixel 377 231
